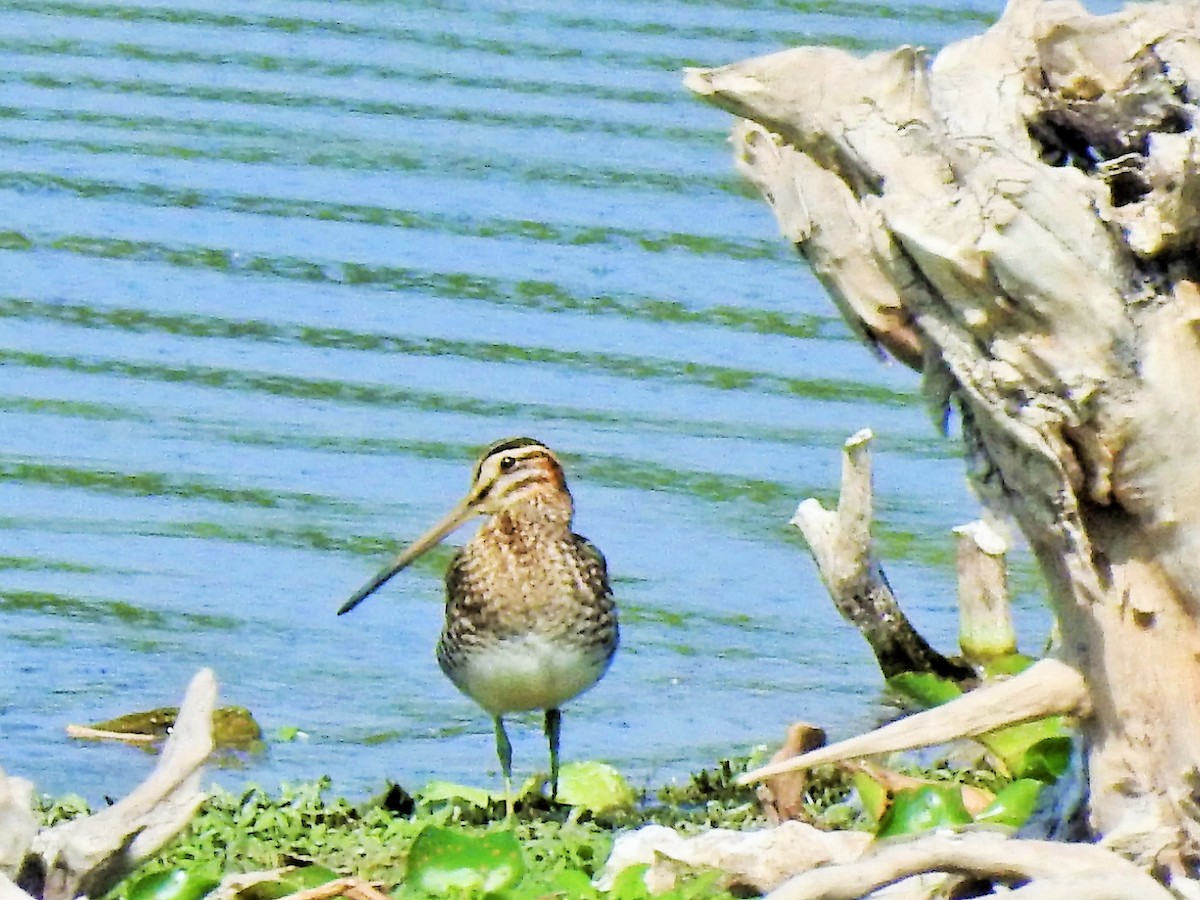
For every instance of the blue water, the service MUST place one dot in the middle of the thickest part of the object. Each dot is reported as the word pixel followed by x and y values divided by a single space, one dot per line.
pixel 275 272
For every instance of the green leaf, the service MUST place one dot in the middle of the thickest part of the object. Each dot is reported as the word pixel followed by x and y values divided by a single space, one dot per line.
pixel 1046 760
pixel 571 883
pixel 594 786
pixel 925 688
pixel 1011 664
pixel 922 809
pixel 1013 804
pixel 630 884
pixel 174 884
pixel 451 860
pixel 874 796
pixel 1040 749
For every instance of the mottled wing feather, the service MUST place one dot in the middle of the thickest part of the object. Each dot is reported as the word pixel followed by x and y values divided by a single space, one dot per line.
pixel 604 627
pixel 596 567
pixel 459 622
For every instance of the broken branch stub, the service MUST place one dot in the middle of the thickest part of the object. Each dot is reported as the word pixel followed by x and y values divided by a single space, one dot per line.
pixel 1019 219
pixel 985 626
pixel 840 542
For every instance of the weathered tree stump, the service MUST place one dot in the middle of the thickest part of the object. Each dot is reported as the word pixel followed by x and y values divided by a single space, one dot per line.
pixel 1019 219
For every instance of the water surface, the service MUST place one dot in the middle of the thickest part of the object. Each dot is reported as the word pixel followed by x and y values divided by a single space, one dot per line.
pixel 275 272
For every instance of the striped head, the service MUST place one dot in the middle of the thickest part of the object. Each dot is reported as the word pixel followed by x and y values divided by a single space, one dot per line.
pixel 516 472
pixel 518 475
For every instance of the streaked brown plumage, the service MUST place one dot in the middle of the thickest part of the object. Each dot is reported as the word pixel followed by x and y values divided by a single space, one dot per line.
pixel 530 619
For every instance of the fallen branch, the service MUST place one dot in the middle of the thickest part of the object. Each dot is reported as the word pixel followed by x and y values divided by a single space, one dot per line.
pixel 980 854
pixel 1046 688
pixel 266 882
pixel 354 888
pixel 753 860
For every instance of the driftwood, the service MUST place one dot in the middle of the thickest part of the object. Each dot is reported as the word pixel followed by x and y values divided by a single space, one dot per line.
pixel 840 542
pixel 1065 868
pixel 1046 688
pixel 755 860
pixel 89 855
pixel 1019 219
pixel 985 630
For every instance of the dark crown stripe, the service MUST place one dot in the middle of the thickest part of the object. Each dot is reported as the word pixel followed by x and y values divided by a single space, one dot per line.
pixel 503 446
pixel 510 444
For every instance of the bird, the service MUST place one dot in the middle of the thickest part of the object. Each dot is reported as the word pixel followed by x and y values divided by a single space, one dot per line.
pixel 531 622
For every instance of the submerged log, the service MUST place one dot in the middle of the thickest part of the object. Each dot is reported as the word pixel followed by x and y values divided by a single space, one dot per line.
pixel 1019 219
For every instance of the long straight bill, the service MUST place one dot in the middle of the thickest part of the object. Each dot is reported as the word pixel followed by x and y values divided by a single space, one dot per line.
pixel 425 542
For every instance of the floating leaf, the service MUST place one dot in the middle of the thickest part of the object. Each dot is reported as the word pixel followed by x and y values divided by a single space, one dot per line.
pixel 922 809
pixel 453 794
pixel 1013 804
pixel 451 860
pixel 594 786
pixel 925 688
pixel 174 884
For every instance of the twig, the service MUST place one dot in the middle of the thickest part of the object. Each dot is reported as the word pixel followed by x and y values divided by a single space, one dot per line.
pixel 87 733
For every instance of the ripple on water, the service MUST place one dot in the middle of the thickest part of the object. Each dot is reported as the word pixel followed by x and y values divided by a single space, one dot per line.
pixel 274 276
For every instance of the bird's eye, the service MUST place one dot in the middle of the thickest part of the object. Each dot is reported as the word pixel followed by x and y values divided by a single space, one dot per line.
pixel 507 462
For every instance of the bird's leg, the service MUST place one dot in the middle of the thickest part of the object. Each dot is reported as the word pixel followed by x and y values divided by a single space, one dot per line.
pixel 553 729
pixel 504 751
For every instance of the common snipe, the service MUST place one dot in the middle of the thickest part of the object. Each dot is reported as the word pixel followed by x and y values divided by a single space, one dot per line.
pixel 530 619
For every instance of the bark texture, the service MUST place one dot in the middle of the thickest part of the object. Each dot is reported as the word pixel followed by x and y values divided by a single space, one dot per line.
pixel 1019 219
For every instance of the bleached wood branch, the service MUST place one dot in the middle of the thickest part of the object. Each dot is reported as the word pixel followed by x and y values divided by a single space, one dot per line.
pixel 757 860
pixel 87 733
pixel 840 542
pixel 1047 688
pixel 985 626
pixel 89 855
pixel 984 854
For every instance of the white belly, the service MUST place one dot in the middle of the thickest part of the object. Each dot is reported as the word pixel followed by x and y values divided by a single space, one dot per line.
pixel 527 672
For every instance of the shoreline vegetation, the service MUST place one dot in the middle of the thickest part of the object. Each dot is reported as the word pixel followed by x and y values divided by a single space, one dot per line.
pixel 451 840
